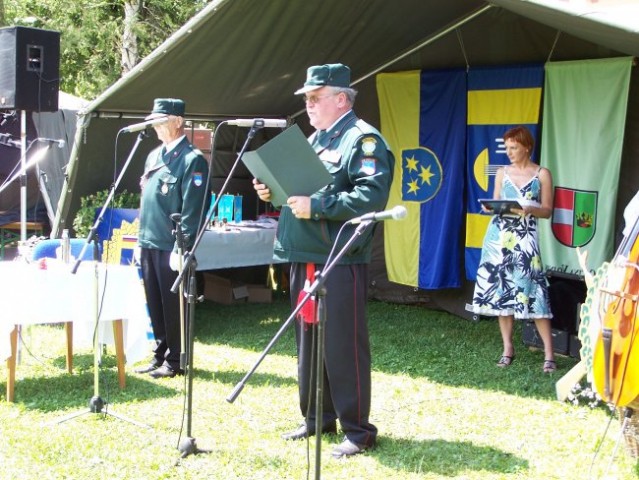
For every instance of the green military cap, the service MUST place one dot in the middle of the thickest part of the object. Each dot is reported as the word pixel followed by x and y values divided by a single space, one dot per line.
pixel 329 75
pixel 167 106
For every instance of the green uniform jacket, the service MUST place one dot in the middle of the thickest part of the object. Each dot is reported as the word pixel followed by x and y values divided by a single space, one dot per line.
pixel 175 183
pixel 361 163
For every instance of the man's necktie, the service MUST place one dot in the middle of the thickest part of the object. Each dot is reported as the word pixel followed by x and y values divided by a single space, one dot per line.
pixel 319 139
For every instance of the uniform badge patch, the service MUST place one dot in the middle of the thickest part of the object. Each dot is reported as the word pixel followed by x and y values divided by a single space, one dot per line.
pixel 368 145
pixel 197 178
pixel 369 166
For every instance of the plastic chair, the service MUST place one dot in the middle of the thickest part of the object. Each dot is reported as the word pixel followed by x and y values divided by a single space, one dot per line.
pixel 47 249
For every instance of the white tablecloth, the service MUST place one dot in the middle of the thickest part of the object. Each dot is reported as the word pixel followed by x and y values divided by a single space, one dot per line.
pixel 237 246
pixel 31 295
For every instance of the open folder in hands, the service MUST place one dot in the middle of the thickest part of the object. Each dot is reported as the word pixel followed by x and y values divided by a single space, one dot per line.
pixel 288 166
pixel 500 207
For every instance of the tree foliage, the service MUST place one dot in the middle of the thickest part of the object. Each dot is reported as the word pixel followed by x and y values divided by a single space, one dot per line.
pixel 91 34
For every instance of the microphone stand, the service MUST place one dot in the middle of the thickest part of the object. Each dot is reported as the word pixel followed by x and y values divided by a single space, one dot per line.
pixel 188 445
pixel 92 233
pixel 188 257
pixel 96 404
pixel 317 286
pixel 189 264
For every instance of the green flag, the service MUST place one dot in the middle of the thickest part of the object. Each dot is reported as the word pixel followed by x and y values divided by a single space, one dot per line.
pixel 582 137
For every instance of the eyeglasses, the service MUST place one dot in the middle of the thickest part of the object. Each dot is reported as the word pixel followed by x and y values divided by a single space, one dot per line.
pixel 313 99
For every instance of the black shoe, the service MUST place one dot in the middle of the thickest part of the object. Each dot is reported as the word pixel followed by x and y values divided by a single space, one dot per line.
pixel 165 372
pixel 348 448
pixel 303 432
pixel 147 368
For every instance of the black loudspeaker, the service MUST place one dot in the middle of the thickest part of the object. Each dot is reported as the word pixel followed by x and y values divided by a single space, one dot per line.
pixel 567 292
pixel 29 69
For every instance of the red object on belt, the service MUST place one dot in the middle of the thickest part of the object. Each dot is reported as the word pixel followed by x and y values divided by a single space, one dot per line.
pixel 308 312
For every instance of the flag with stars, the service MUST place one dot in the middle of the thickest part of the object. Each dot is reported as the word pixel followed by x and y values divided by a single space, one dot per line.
pixel 423 117
pixel 499 98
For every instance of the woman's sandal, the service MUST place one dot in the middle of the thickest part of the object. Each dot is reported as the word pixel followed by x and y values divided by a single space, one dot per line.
pixel 505 361
pixel 549 366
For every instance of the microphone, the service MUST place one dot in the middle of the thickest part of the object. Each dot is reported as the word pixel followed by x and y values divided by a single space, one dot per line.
pixel 59 142
pixel 396 213
pixel 154 122
pixel 259 122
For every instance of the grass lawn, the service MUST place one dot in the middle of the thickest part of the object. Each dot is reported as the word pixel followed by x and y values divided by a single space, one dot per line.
pixel 442 408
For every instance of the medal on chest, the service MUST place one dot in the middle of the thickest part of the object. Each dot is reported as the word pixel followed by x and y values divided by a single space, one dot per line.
pixel 164 188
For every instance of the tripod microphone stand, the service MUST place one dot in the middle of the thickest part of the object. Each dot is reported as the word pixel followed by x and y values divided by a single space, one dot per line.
pixel 96 403
pixel 188 445
pixel 319 288
pixel 189 265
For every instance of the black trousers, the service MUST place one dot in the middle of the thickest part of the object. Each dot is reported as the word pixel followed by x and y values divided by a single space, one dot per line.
pixel 164 306
pixel 347 357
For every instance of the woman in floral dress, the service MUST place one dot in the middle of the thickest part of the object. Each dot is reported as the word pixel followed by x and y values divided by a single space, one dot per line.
pixel 510 280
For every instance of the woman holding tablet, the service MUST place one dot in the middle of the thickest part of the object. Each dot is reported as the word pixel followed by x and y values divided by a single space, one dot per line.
pixel 510 280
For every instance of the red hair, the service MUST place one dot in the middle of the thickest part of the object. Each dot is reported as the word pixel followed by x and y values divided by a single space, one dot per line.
pixel 521 135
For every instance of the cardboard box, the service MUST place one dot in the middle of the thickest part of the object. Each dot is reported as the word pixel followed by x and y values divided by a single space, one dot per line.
pixel 225 291
pixel 259 294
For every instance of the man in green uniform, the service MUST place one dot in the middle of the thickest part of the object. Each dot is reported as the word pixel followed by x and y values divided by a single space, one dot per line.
pixel 174 181
pixel 361 164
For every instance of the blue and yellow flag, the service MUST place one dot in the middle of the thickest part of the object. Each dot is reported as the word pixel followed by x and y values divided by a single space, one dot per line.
pixel 499 98
pixel 423 117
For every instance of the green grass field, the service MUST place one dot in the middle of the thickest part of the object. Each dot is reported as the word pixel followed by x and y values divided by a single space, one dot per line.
pixel 442 408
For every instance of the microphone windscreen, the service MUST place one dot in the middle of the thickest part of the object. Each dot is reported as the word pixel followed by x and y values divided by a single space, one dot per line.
pixel 399 212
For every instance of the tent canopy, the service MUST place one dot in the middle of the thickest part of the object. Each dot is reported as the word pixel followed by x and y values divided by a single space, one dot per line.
pixel 245 58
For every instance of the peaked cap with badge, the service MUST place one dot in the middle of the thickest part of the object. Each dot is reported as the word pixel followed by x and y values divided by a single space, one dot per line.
pixel 166 106
pixel 329 75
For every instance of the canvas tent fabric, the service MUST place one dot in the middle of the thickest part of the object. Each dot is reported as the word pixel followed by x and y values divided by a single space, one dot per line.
pixel 244 59
pixel 46 179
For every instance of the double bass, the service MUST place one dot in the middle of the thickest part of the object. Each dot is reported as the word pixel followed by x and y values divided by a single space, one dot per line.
pixel 615 365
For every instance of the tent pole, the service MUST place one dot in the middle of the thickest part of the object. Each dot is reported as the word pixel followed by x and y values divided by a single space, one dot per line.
pixel 69 182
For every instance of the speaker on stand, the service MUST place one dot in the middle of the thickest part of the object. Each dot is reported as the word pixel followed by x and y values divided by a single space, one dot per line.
pixel 29 69
pixel 29 82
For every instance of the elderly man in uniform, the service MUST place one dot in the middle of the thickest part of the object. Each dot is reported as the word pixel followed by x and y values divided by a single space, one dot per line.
pixel 361 164
pixel 174 181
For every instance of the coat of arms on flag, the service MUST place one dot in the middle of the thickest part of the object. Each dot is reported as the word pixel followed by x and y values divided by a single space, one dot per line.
pixel 574 216
pixel 421 174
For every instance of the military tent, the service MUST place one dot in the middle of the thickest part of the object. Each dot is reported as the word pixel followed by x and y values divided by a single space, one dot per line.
pixel 245 58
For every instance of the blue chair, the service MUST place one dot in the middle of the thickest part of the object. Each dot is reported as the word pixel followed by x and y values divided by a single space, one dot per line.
pixel 47 249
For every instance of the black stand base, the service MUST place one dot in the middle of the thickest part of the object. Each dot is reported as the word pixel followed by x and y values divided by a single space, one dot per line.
pixel 187 447
pixel 96 404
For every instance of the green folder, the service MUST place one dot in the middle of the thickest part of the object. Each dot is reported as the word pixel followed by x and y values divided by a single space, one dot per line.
pixel 288 166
